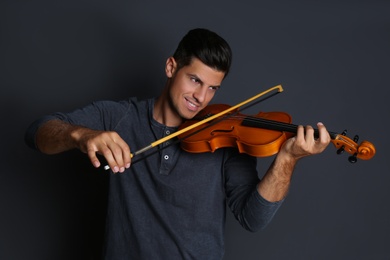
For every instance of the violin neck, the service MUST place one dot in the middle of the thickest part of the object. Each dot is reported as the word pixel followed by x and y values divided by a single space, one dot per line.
pixel 278 126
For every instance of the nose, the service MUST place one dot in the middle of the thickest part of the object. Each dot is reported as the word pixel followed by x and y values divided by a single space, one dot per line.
pixel 200 94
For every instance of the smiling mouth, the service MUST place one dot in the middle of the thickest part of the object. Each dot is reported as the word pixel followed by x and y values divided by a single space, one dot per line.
pixel 191 105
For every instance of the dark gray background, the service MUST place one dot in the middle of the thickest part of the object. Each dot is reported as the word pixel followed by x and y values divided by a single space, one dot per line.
pixel 332 58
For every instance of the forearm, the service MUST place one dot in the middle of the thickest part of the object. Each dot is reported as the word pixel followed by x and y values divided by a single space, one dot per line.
pixel 56 136
pixel 275 184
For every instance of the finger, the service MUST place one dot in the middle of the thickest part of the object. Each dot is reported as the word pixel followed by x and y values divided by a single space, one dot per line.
pixel 300 133
pixel 121 154
pixel 126 156
pixel 309 134
pixel 108 155
pixel 118 156
pixel 93 158
pixel 324 137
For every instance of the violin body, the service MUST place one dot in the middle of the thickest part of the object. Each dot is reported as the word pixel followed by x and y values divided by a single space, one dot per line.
pixel 231 132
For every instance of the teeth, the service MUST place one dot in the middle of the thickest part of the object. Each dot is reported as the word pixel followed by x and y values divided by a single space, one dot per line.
pixel 191 104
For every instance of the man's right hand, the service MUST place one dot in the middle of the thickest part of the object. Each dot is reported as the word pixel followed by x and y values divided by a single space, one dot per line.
pixel 107 143
pixel 56 136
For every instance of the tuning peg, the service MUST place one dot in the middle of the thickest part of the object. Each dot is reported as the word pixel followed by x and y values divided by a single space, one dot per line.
pixel 352 158
pixel 340 150
pixel 356 138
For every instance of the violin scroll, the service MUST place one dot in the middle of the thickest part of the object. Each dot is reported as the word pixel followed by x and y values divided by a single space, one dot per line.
pixel 365 150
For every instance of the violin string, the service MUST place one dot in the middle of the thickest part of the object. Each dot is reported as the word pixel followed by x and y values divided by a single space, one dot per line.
pixel 279 126
pixel 261 122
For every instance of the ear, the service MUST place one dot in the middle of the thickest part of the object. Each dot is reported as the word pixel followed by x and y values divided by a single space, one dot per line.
pixel 170 67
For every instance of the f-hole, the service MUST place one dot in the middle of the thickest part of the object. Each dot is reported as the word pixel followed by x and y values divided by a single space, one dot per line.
pixel 216 131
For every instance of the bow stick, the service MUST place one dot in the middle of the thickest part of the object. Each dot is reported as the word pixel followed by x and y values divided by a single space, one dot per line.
pixel 278 88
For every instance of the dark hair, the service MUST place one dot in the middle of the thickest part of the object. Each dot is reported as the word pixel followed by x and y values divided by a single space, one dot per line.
pixel 207 46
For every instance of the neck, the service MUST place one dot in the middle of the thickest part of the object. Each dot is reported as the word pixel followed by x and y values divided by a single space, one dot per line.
pixel 164 113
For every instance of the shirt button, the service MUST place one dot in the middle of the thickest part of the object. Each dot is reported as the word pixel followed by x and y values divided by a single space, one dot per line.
pixel 167 132
pixel 166 157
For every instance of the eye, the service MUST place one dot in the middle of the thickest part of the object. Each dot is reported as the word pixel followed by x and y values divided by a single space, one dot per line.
pixel 195 80
pixel 214 87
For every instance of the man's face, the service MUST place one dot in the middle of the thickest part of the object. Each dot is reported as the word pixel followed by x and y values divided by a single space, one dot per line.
pixel 192 87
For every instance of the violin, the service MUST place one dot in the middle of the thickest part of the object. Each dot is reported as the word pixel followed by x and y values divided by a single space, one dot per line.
pixel 260 135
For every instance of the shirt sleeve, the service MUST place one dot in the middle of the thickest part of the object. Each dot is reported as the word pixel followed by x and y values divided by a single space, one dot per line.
pixel 251 210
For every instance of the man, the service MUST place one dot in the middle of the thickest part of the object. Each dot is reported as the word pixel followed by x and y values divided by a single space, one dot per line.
pixel 171 205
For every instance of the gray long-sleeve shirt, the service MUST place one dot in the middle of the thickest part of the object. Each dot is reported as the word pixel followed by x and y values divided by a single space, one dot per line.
pixel 171 205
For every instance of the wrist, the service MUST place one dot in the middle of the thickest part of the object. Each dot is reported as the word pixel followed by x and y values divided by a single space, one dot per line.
pixel 77 134
pixel 283 166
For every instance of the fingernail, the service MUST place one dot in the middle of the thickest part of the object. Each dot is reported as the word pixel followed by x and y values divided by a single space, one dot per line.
pixel 116 169
pixel 128 165
pixel 122 169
